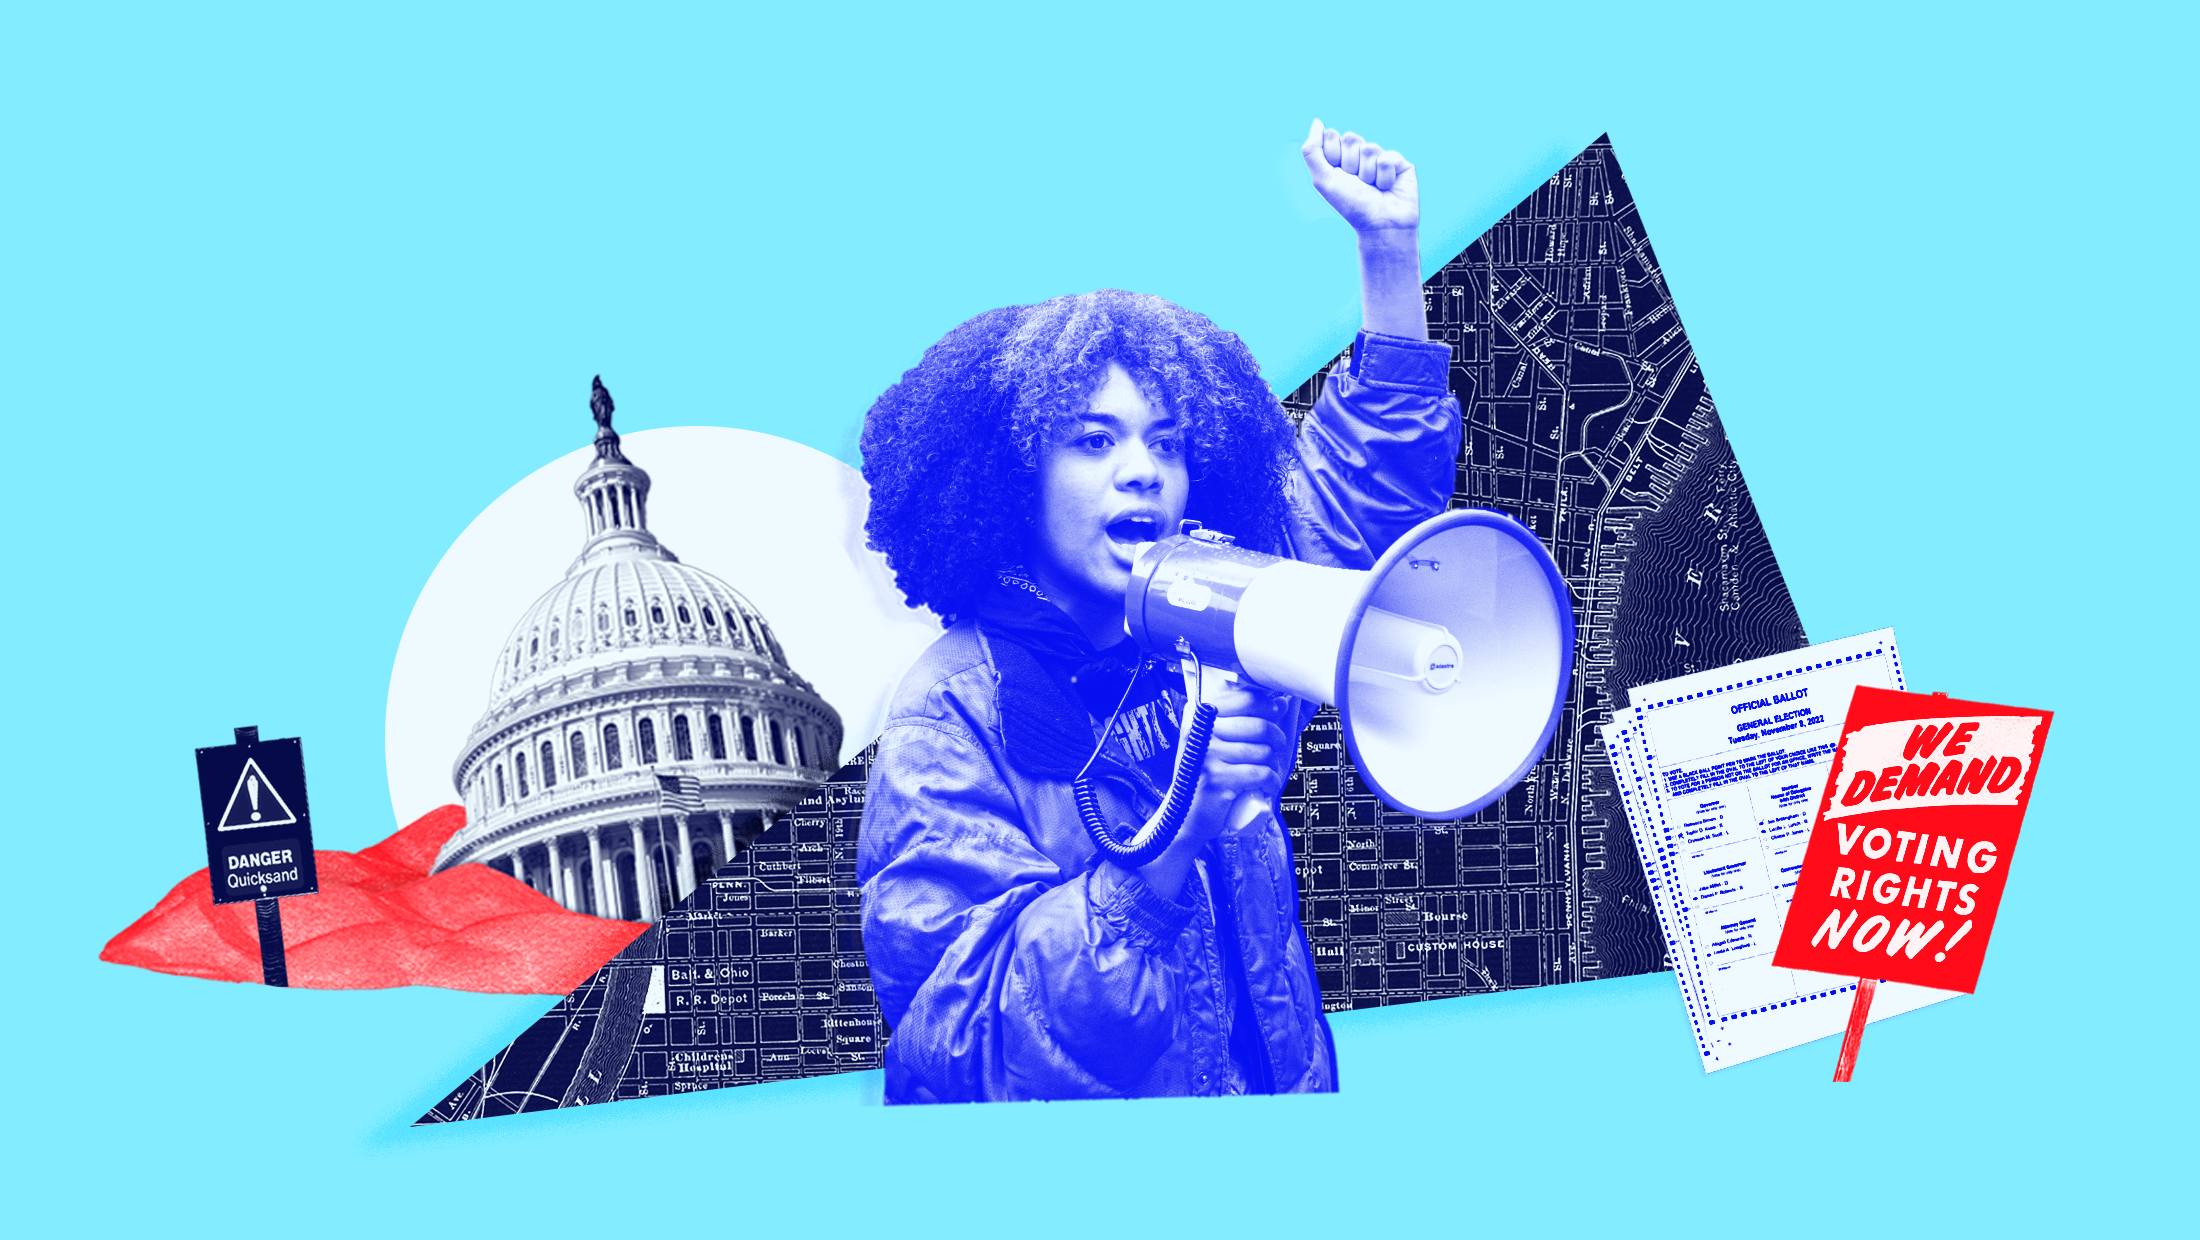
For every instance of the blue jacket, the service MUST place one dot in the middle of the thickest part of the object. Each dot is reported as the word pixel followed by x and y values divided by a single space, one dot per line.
pixel 1010 961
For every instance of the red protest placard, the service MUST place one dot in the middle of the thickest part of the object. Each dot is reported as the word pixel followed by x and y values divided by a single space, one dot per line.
pixel 1915 831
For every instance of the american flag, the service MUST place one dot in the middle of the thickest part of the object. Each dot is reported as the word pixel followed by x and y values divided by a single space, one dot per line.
pixel 680 793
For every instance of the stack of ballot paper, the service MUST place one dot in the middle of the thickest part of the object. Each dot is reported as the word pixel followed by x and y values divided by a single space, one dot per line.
pixel 1720 774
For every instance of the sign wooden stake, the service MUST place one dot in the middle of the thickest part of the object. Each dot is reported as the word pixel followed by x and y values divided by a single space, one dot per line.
pixel 1859 1012
pixel 274 968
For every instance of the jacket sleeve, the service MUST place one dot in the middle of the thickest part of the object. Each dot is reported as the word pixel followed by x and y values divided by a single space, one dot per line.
pixel 1001 976
pixel 1379 454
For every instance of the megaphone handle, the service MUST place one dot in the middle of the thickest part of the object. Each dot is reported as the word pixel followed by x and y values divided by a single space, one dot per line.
pixel 1252 807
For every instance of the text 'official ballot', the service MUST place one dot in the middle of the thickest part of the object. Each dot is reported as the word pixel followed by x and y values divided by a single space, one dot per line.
pixel 259 832
pixel 1915 830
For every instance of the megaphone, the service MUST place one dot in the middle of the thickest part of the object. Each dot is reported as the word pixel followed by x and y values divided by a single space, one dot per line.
pixel 1448 661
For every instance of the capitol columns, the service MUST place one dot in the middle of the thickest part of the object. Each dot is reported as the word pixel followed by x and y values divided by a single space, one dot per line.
pixel 557 872
pixel 725 831
pixel 595 871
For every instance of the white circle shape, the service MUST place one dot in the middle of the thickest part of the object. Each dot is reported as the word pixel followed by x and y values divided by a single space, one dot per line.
pixel 779 522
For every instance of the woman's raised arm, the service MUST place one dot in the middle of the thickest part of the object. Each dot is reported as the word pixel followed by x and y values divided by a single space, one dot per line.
pixel 1376 192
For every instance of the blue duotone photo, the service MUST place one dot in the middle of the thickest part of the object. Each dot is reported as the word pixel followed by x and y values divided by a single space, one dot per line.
pixel 1018 472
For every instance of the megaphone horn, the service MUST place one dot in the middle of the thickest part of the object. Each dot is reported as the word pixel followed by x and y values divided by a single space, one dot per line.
pixel 1448 661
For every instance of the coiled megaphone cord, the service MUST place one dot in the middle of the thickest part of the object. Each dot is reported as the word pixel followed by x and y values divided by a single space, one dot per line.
pixel 1161 829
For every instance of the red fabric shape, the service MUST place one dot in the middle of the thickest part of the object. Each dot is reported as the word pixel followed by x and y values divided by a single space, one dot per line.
pixel 381 919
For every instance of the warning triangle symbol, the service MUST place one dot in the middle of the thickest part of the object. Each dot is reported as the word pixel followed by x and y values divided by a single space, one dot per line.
pixel 254 802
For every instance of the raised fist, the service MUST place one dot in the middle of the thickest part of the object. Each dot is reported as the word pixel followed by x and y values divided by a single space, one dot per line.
pixel 1370 187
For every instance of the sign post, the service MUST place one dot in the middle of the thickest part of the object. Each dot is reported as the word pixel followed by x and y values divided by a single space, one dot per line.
pixel 259 833
pixel 1904 871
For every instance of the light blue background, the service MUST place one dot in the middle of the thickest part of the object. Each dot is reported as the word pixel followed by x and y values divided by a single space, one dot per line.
pixel 287 297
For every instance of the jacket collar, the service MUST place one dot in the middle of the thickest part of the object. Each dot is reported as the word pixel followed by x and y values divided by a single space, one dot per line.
pixel 1053 683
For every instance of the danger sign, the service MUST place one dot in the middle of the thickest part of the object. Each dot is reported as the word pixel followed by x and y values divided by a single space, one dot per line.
pixel 259 830
pixel 1915 831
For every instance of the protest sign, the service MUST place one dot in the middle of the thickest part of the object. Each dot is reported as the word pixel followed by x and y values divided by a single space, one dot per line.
pixel 1916 829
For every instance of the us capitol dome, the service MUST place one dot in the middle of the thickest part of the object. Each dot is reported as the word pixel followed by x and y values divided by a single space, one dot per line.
pixel 642 720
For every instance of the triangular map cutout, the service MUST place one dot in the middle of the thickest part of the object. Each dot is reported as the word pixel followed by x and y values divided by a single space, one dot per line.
pixel 254 802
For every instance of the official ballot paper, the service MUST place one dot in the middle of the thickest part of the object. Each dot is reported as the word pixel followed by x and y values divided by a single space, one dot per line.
pixel 1720 773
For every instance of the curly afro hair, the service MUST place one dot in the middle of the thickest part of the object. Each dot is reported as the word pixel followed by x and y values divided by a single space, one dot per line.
pixel 952 451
